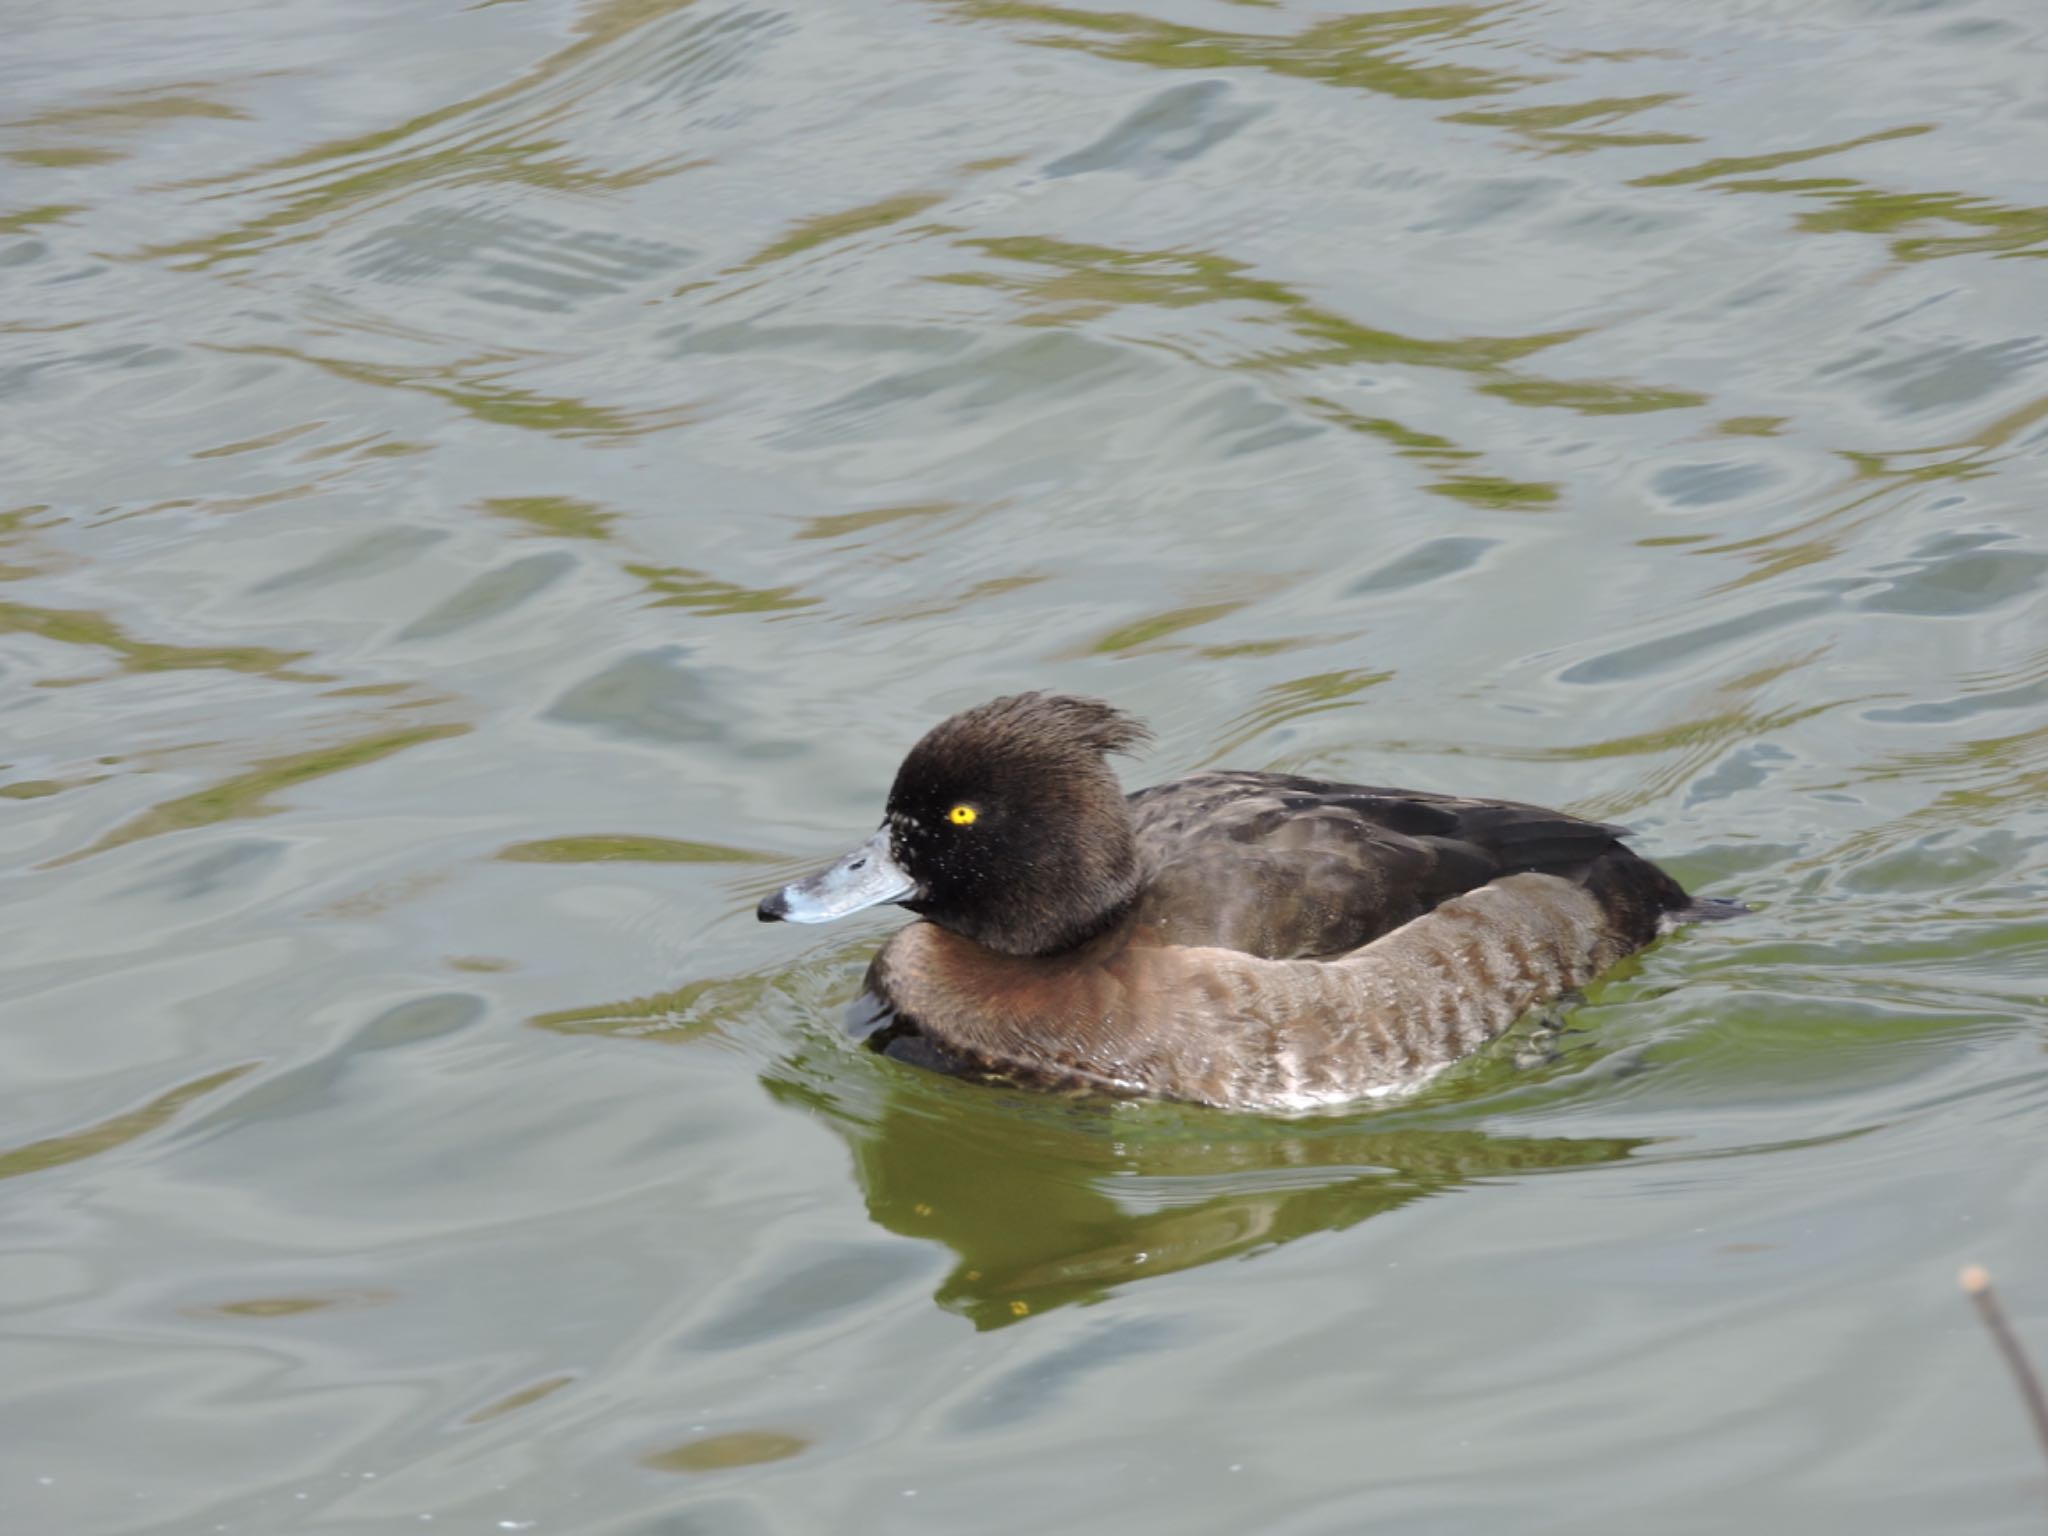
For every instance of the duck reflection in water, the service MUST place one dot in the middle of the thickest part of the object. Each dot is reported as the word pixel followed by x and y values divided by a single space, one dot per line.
pixel 1047 1202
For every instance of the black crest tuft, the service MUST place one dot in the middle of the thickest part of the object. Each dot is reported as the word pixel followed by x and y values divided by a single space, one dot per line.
pixel 1041 722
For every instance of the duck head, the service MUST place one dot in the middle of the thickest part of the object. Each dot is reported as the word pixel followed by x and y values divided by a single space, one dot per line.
pixel 1004 826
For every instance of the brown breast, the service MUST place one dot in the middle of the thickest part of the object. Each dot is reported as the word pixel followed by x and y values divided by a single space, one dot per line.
pixel 1128 1014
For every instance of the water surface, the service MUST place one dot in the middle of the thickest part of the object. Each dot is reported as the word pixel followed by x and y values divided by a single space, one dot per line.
pixel 488 490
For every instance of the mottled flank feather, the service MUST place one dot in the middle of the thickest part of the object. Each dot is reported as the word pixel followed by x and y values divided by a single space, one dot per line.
pixel 1217 1026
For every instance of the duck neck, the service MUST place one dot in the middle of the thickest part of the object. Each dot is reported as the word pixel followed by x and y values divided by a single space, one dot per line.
pixel 1084 885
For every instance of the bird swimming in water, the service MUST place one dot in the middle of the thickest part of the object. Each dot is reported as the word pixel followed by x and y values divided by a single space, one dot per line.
pixel 1248 940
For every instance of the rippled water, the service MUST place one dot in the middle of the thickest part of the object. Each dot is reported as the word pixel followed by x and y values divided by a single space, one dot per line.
pixel 490 489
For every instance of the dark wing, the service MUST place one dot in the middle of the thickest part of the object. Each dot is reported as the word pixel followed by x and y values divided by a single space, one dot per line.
pixel 1286 867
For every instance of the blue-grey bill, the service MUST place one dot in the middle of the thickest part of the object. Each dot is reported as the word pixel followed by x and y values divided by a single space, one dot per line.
pixel 866 877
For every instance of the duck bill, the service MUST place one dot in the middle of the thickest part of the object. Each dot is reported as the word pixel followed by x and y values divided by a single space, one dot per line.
pixel 866 877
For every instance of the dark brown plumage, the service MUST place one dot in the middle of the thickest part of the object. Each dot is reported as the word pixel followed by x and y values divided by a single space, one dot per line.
pixel 1252 940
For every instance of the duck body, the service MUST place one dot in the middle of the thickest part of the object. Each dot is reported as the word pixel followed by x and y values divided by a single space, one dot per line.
pixel 1254 941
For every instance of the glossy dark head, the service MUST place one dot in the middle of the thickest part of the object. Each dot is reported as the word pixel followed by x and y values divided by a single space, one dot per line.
pixel 1004 825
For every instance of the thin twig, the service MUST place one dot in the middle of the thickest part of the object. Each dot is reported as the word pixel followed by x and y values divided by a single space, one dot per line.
pixel 1978 1284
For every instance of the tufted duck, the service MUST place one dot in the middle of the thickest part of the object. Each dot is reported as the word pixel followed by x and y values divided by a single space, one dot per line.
pixel 1248 940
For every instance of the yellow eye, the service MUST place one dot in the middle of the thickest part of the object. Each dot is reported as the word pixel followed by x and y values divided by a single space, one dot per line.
pixel 962 815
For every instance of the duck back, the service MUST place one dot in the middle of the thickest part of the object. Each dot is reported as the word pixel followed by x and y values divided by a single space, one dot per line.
pixel 1285 867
